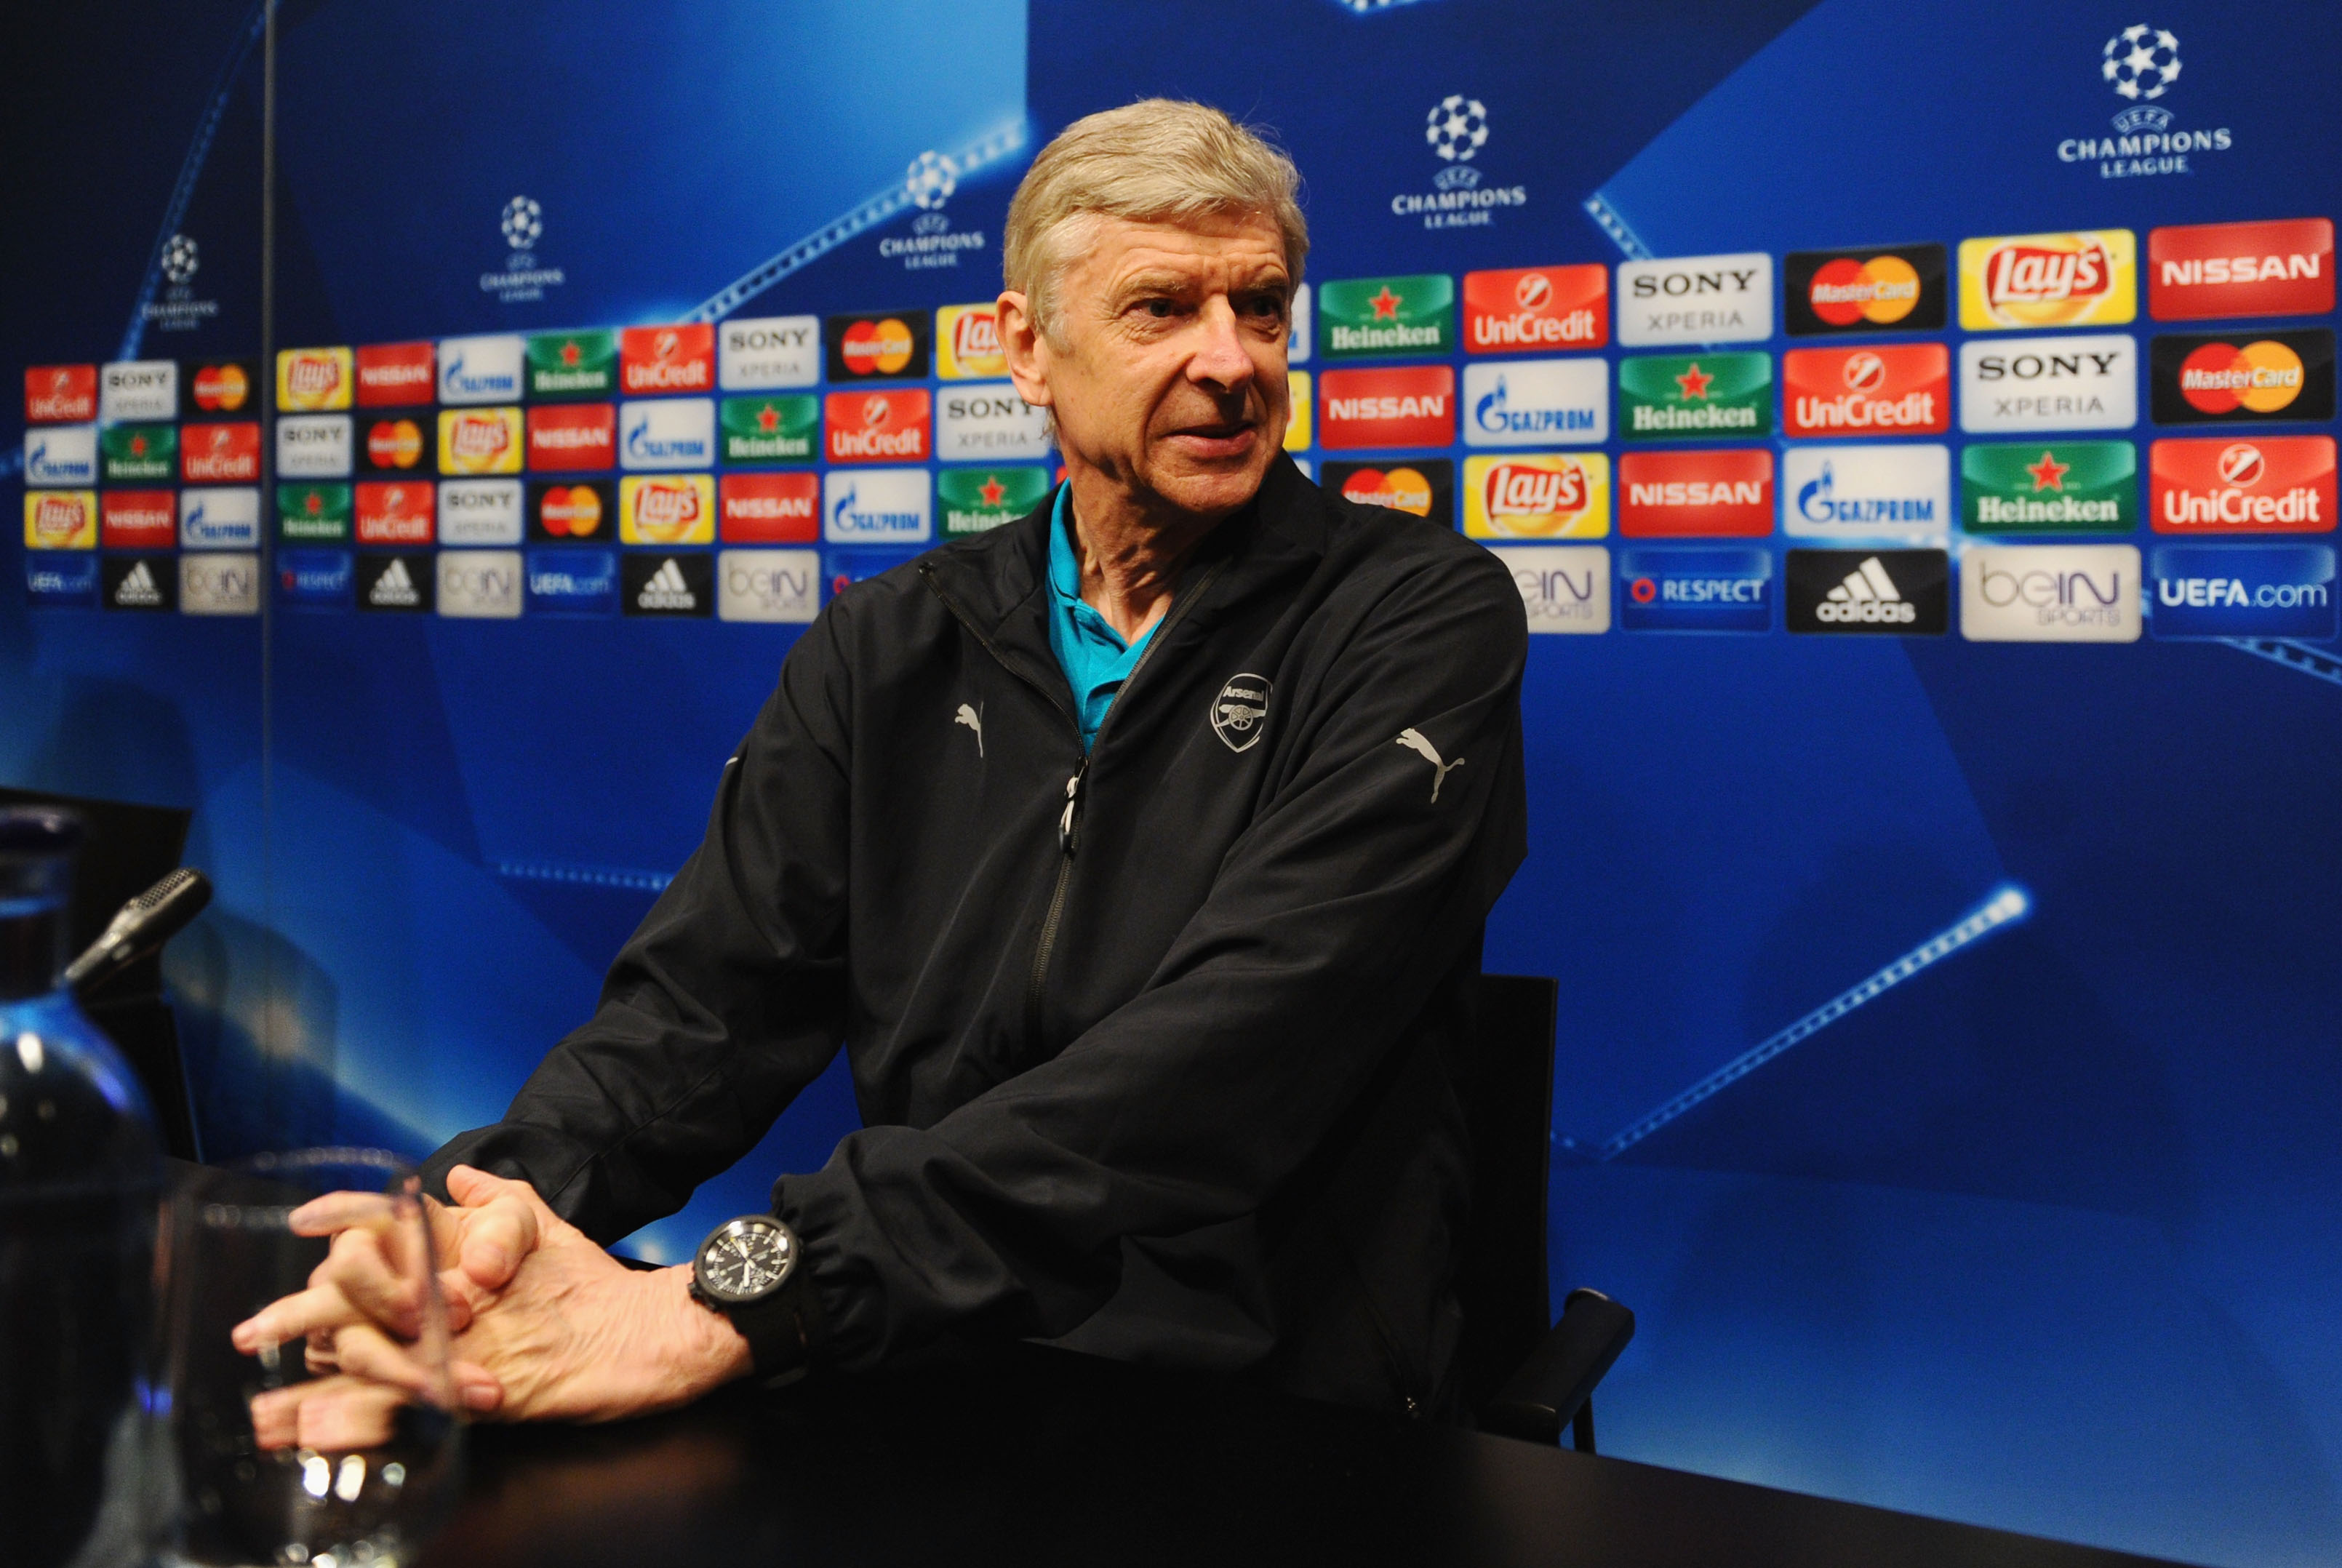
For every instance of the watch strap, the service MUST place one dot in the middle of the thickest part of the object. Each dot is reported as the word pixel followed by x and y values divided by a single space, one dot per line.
pixel 783 1330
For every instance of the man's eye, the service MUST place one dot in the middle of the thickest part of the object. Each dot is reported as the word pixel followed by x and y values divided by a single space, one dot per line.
pixel 1160 308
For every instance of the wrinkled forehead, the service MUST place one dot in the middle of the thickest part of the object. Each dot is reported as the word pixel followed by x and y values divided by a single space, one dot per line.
pixel 1210 251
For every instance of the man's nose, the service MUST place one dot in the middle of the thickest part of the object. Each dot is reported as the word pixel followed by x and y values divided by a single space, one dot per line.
pixel 1220 360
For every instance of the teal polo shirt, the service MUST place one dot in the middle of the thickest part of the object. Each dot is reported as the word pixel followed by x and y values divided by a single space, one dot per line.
pixel 1096 659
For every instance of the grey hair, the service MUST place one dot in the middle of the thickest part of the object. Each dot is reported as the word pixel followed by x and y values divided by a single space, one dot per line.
pixel 1159 160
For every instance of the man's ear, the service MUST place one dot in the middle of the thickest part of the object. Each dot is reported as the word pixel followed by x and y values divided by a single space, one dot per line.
pixel 1026 350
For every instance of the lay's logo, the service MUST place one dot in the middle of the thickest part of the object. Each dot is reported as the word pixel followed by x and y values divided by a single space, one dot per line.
pixel 667 509
pixel 2088 278
pixel 968 343
pixel 479 441
pixel 1538 496
pixel 60 520
pixel 314 379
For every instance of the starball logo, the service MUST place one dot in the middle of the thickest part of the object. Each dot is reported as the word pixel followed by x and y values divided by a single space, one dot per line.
pixel 2087 278
pixel 2138 66
pixel 1462 195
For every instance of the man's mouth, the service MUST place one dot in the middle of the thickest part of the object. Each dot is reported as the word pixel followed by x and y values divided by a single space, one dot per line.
pixel 1218 437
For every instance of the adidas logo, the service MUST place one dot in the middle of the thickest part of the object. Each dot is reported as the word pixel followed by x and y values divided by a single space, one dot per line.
pixel 137 590
pixel 667 590
pixel 1868 595
pixel 394 589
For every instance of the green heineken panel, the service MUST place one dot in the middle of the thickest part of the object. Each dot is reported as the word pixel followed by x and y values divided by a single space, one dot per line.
pixel 972 500
pixel 2049 487
pixel 128 453
pixel 1368 317
pixel 573 365
pixel 783 428
pixel 313 514
pixel 1667 396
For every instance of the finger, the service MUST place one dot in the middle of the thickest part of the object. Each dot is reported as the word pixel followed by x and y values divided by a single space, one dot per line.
pixel 317 1353
pixel 338 1212
pixel 478 1389
pixel 363 1267
pixel 367 1351
pixel 318 1309
pixel 344 1413
pixel 463 1298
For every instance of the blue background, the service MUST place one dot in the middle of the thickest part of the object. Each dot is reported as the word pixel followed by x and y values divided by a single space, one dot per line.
pixel 2045 1235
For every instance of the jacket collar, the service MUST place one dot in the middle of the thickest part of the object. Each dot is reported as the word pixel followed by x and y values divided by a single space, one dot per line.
pixel 999 581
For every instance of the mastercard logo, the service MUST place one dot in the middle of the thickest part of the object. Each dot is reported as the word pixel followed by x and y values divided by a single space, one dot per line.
pixel 1881 290
pixel 1400 489
pixel 2262 378
pixel 394 443
pixel 221 388
pixel 570 512
pixel 876 348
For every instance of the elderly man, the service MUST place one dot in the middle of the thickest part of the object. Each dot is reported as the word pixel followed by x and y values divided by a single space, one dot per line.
pixel 1138 852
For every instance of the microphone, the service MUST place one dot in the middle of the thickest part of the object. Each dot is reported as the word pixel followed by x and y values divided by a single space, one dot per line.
pixel 141 927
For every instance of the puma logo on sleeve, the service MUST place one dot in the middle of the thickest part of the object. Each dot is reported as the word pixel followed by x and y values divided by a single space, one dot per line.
pixel 1413 741
pixel 975 721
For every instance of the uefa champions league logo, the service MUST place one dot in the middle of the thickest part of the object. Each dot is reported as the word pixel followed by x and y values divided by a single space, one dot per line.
pixel 522 223
pixel 180 259
pixel 2141 61
pixel 1455 130
pixel 931 180
pixel 1457 127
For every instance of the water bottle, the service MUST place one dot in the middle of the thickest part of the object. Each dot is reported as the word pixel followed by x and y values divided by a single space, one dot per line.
pixel 81 1184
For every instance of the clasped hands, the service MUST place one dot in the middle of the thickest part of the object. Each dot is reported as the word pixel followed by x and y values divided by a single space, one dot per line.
pixel 543 1324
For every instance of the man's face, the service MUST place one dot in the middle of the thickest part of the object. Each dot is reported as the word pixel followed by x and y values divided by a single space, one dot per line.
pixel 1167 370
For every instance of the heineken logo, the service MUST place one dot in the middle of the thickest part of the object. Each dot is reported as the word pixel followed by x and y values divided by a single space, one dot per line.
pixel 314 513
pixel 573 365
pixel 2061 487
pixel 1362 317
pixel 1674 395
pixel 976 500
pixel 771 429
pixel 136 452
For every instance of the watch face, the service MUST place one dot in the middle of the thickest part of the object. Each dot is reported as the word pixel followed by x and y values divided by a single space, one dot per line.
pixel 743 1260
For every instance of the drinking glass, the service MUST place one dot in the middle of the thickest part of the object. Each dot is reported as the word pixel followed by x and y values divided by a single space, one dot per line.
pixel 368 1465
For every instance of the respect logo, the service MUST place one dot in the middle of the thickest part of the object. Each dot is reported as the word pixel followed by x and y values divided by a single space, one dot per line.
pixel 1538 496
pixel 2082 279
pixel 1897 286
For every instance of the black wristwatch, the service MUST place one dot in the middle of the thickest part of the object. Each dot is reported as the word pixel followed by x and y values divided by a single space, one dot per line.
pixel 753 1271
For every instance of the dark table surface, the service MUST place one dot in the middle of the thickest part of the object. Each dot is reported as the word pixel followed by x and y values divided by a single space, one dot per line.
pixel 1026 1455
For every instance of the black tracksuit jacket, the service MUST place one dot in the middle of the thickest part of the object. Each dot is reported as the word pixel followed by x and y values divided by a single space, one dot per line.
pixel 1157 1050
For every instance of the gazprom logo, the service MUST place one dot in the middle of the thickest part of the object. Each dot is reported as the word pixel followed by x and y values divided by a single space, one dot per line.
pixel 1538 403
pixel 668 432
pixel 481 369
pixel 219 519
pixel 876 505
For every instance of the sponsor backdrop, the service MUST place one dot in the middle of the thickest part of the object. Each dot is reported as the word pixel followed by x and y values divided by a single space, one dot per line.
pixel 1913 436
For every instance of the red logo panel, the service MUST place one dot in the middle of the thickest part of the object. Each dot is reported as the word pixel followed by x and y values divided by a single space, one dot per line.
pixel 394 512
pixel 2260 485
pixel 888 426
pixel 668 358
pixel 1536 308
pixel 60 394
pixel 573 436
pixel 1414 405
pixel 1893 389
pixel 770 508
pixel 220 454
pixel 392 374
pixel 138 519
pixel 1696 494
pixel 2283 268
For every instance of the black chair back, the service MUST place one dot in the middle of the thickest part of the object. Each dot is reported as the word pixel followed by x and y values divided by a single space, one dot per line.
pixel 1508 1105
